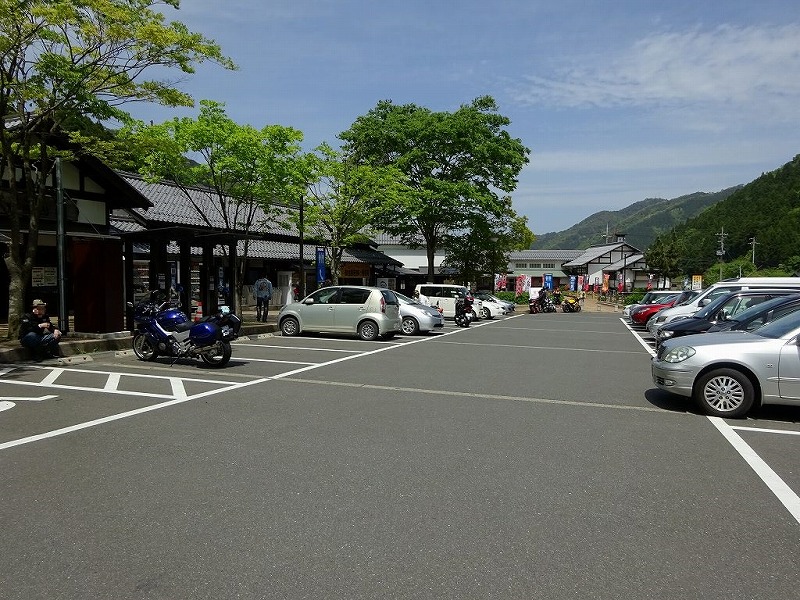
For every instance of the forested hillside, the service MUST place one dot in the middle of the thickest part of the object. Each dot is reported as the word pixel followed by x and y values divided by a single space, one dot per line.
pixel 642 221
pixel 767 210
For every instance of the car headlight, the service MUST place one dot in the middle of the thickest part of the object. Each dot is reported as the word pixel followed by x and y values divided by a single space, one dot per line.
pixel 678 354
pixel 664 334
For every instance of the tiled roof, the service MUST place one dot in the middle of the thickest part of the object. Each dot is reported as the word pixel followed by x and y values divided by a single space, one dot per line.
pixel 626 262
pixel 385 239
pixel 272 250
pixel 557 255
pixel 199 207
pixel 593 253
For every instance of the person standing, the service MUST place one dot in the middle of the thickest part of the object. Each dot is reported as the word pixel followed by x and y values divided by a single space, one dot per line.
pixel 263 289
pixel 38 333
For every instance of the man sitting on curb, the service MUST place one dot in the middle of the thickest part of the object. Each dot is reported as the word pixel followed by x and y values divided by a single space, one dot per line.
pixel 38 333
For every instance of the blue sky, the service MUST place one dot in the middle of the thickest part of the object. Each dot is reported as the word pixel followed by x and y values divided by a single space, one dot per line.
pixel 617 100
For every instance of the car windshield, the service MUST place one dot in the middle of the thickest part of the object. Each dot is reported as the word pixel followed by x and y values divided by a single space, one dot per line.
pixel 780 327
pixel 710 309
pixel 405 299
pixel 759 309
pixel 685 298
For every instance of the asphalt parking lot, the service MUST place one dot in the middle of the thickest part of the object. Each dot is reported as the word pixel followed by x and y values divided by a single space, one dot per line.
pixel 524 457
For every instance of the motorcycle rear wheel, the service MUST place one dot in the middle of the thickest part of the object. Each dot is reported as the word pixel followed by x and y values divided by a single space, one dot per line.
pixel 218 357
pixel 143 348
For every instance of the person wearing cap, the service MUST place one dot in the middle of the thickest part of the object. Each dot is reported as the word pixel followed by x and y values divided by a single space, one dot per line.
pixel 38 333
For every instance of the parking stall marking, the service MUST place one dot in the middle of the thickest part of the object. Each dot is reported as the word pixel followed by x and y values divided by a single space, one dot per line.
pixel 777 486
pixel 271 346
pixel 112 382
pixel 783 492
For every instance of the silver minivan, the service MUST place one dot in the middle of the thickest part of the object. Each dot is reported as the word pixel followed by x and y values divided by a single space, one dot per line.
pixel 368 312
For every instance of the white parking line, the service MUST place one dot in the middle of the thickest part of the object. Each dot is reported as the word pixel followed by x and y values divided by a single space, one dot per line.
pixel 778 487
pixel 180 396
pixel 270 346
pixel 639 338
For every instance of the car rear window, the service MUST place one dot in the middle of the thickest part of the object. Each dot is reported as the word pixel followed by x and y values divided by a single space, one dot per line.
pixel 389 297
pixel 354 296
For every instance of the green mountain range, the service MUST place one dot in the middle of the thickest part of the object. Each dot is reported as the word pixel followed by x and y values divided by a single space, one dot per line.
pixel 759 223
pixel 641 222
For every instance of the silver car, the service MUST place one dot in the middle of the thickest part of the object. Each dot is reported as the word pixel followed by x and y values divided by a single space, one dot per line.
pixel 368 312
pixel 417 317
pixel 729 372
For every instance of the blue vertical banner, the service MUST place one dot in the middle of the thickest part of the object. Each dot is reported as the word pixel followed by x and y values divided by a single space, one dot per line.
pixel 548 281
pixel 573 283
pixel 320 265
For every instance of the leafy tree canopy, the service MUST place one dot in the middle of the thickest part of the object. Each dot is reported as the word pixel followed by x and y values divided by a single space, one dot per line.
pixel 459 165
pixel 63 62
pixel 343 198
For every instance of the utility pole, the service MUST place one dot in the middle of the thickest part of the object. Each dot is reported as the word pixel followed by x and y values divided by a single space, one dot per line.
pixel 753 244
pixel 721 252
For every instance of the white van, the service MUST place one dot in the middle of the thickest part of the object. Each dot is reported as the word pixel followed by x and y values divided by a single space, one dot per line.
pixel 716 290
pixel 444 296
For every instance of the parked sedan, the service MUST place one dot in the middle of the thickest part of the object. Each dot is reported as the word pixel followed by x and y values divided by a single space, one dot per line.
pixel 641 314
pixel 651 297
pixel 729 372
pixel 484 296
pixel 723 308
pixel 368 312
pixel 491 309
pixel 759 315
pixel 418 317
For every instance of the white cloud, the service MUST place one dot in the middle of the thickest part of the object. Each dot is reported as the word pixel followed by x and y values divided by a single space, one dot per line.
pixel 727 68
pixel 694 155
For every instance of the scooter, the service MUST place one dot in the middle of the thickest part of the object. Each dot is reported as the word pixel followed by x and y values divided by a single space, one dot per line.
pixel 463 312
pixel 162 329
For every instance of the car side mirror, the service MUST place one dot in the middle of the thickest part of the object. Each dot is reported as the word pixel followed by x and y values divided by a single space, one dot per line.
pixel 703 302
pixel 308 301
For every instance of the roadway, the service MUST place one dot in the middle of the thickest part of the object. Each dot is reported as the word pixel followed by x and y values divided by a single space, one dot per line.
pixel 525 457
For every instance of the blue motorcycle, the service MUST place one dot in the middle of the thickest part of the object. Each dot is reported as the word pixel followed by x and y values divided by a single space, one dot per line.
pixel 163 329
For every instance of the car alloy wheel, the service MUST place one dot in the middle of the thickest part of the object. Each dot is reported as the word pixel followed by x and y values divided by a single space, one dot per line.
pixel 290 327
pixel 725 393
pixel 410 326
pixel 368 330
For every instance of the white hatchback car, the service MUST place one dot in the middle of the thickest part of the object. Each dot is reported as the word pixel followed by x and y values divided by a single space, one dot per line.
pixel 368 312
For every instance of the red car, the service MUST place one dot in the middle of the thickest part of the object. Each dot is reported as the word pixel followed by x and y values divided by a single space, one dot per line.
pixel 641 314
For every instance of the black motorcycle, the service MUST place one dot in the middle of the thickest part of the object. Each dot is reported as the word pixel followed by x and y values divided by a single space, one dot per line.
pixel 463 312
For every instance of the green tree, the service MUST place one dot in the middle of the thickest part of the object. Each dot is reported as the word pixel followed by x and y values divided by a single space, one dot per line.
pixel 459 166
pixel 227 171
pixel 663 256
pixel 65 61
pixel 342 200
pixel 483 249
